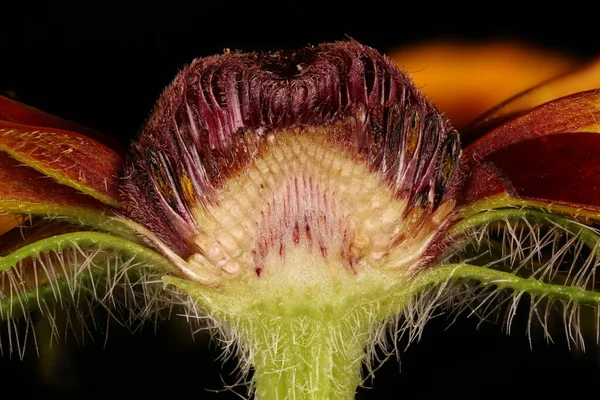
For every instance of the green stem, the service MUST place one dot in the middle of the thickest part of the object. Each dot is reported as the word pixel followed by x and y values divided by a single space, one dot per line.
pixel 306 358
pixel 304 342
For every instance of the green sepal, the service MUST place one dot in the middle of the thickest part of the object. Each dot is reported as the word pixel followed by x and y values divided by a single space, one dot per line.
pixel 24 292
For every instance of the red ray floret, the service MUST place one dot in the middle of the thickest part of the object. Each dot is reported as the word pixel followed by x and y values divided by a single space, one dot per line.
pixel 549 154
pixel 39 141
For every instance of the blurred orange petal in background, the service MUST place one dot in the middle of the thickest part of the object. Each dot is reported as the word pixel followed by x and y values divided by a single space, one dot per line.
pixel 466 79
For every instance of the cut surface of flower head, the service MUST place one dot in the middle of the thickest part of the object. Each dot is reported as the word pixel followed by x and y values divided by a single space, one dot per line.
pixel 256 164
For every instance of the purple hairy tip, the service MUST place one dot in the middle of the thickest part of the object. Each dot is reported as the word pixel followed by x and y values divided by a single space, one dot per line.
pixel 211 121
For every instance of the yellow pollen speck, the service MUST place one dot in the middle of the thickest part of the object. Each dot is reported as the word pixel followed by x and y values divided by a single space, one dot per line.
pixel 187 188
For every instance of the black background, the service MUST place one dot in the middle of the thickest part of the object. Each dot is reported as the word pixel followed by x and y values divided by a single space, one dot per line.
pixel 104 65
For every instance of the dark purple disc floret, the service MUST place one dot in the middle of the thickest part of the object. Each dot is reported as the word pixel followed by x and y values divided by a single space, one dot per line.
pixel 210 123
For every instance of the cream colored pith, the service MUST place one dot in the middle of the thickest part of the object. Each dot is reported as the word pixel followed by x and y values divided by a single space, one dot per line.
pixel 298 176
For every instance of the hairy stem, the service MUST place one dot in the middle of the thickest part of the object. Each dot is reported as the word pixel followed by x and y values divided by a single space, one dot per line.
pixel 299 357
pixel 302 342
